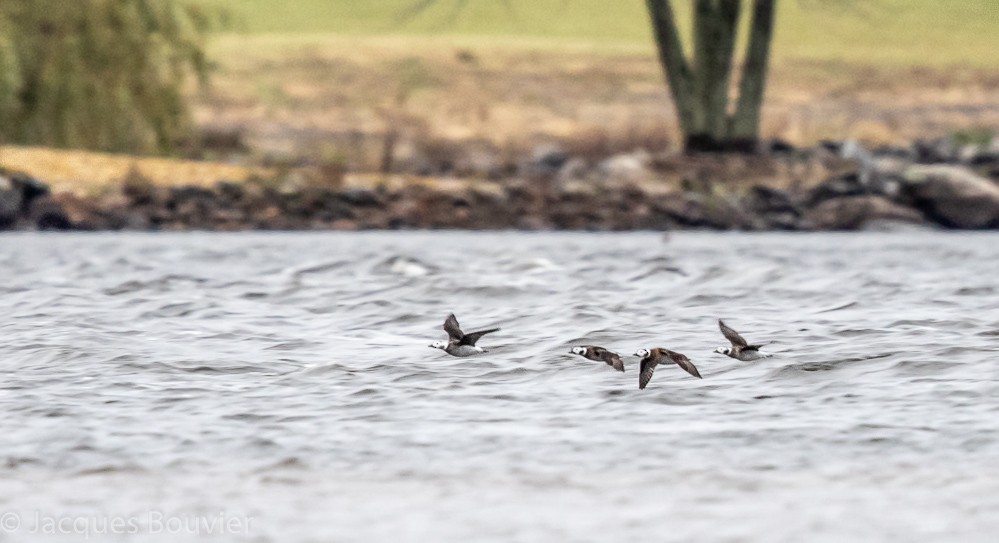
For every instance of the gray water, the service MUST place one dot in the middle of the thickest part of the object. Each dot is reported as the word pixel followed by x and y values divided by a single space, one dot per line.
pixel 282 385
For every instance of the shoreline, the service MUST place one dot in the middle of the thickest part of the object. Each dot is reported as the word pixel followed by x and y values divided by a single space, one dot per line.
pixel 836 186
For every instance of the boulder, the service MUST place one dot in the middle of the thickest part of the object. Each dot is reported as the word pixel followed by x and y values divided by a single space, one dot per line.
pixel 30 188
pixel 953 196
pixel 702 211
pixel 855 212
pixel 17 192
pixel 47 213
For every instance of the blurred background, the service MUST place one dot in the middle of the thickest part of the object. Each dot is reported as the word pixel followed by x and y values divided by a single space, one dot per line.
pixel 340 93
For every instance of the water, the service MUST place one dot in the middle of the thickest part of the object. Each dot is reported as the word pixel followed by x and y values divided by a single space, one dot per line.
pixel 283 384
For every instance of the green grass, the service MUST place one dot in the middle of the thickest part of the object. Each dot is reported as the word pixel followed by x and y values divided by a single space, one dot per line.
pixel 901 32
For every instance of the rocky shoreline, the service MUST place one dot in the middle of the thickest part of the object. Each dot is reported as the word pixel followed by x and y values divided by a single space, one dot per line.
pixel 832 186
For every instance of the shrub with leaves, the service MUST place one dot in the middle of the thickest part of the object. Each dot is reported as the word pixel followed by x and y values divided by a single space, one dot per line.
pixel 98 74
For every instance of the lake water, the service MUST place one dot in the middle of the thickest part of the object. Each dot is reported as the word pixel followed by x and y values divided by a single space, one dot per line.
pixel 280 388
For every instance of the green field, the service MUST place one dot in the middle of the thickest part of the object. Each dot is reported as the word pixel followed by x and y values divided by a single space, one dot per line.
pixel 904 32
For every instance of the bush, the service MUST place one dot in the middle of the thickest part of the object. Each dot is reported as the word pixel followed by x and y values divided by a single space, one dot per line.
pixel 98 74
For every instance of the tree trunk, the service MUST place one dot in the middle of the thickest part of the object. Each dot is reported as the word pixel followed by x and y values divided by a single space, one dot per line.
pixel 673 62
pixel 700 88
pixel 746 121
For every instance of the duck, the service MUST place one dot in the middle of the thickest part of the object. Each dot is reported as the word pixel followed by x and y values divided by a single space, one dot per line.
pixel 459 343
pixel 593 352
pixel 659 355
pixel 740 349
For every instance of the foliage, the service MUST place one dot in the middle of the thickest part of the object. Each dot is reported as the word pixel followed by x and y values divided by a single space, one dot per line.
pixel 98 74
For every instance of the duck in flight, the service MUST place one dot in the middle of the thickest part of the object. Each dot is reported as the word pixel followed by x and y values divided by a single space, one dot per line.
pixel 460 343
pixel 740 349
pixel 592 352
pixel 658 355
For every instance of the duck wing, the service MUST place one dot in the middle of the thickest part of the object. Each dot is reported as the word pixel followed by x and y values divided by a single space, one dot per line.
pixel 734 338
pixel 611 358
pixel 647 368
pixel 471 338
pixel 684 362
pixel 452 328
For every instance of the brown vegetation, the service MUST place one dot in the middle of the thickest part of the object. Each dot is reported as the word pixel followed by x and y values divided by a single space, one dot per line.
pixel 299 98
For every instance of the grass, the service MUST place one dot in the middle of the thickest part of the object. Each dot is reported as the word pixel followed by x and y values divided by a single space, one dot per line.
pixel 91 172
pixel 905 32
pixel 294 93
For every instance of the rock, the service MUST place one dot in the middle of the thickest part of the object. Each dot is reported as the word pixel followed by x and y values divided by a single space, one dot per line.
pixel 953 196
pixel 135 220
pixel 967 153
pixel 10 204
pixel 17 192
pixel 30 188
pixel 778 146
pixel 230 192
pixel 576 169
pixel 546 161
pixel 848 184
pixel 935 151
pixel 190 207
pixel 854 212
pixel 138 189
pixel 832 146
pixel 906 153
pixel 773 208
pixel 702 211
pixel 764 199
pixel 982 157
pixel 626 169
pixel 47 213
pixel 479 162
pixel 184 193
pixel 361 197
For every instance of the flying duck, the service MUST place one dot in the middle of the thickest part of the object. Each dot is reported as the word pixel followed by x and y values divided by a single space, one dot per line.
pixel 740 349
pixel 460 343
pixel 600 354
pixel 658 355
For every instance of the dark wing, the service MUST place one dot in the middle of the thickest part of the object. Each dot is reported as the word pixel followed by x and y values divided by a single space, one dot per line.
pixel 684 362
pixel 470 339
pixel 731 335
pixel 648 366
pixel 611 358
pixel 452 328
pixel 756 347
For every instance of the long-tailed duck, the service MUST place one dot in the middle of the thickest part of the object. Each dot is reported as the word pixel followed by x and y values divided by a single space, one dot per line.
pixel 655 356
pixel 600 354
pixel 459 343
pixel 740 349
